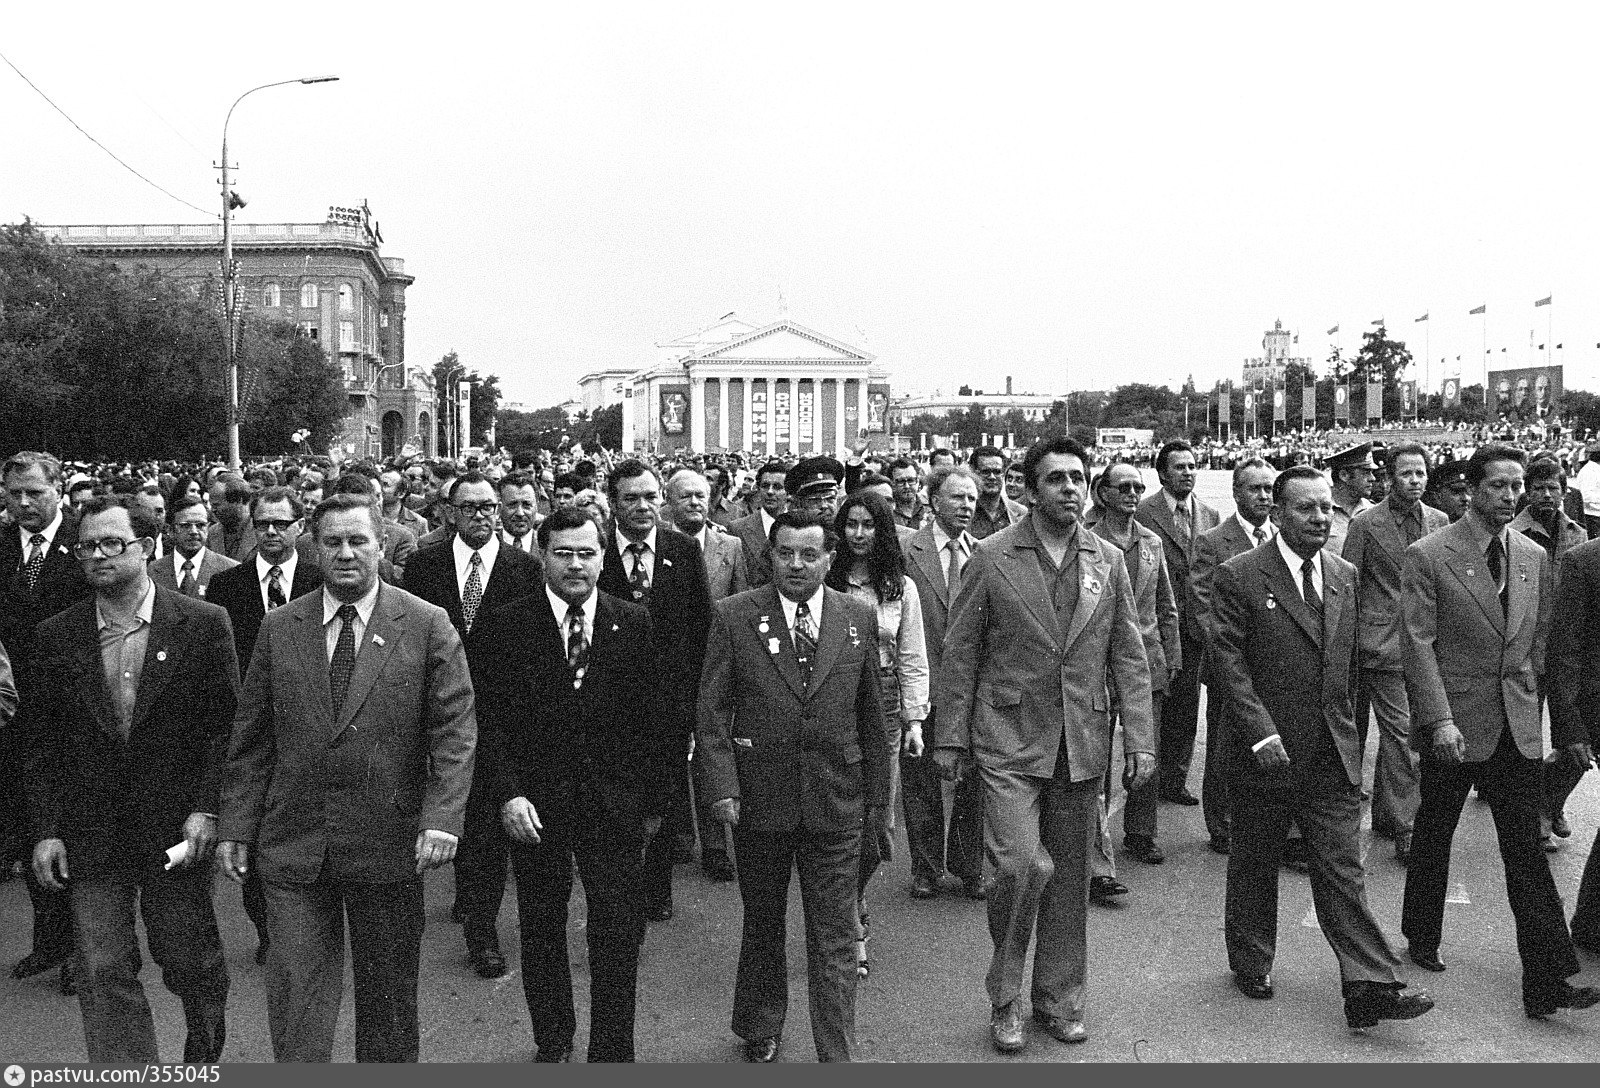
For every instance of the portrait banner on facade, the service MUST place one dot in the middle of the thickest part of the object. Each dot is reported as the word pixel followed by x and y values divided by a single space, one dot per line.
pixel 1408 400
pixel 674 409
pixel 1451 392
pixel 1375 400
pixel 1308 403
pixel 1280 405
pixel 1341 401
pixel 1528 392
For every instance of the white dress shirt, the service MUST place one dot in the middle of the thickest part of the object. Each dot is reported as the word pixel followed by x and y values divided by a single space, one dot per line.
pixel 178 560
pixel 528 542
pixel 1294 561
pixel 1250 530
pixel 286 574
pixel 561 608
pixel 48 532
pixel 330 618
pixel 790 608
pixel 623 544
pixel 463 556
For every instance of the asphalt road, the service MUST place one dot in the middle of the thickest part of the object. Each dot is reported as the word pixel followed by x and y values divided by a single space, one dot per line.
pixel 1159 988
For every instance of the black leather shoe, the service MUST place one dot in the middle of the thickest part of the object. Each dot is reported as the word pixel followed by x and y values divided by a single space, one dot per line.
pixel 1105 888
pixel 1425 958
pixel 1144 848
pixel 717 867
pixel 1369 1002
pixel 1587 944
pixel 661 912
pixel 1067 1031
pixel 1563 996
pixel 974 889
pixel 1256 986
pixel 1005 1028
pixel 1179 796
pixel 68 982
pixel 488 962
pixel 762 1050
pixel 35 964
pixel 1221 844
pixel 923 888
pixel 553 1054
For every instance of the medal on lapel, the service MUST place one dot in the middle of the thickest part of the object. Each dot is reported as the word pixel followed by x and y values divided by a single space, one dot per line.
pixel 1272 602
pixel 772 646
pixel 855 640
pixel 1091 584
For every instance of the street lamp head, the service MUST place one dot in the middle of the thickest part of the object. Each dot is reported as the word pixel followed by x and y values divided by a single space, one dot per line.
pixel 320 79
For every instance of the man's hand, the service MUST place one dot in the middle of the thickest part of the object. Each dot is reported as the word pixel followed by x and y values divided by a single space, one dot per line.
pixel 235 859
pixel 521 820
pixel 1272 753
pixel 50 863
pixel 911 740
pixel 1139 767
pixel 200 832
pixel 434 848
pixel 726 811
pixel 1581 754
pixel 954 763
pixel 1449 746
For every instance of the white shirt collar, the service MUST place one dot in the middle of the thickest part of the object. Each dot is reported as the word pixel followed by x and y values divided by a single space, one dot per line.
pixel 48 532
pixel 814 604
pixel 1294 562
pixel 364 607
pixel 1175 504
pixel 1250 530
pixel 264 568
pixel 560 609
pixel 623 543
pixel 530 539
pixel 941 538
pixel 463 553
pixel 766 522
pixel 178 561
pixel 147 605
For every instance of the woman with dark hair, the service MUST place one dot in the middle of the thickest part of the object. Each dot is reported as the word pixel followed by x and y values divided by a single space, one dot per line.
pixel 869 565
pixel 184 487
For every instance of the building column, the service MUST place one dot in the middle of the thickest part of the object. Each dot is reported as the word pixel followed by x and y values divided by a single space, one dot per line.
pixel 839 443
pixel 697 414
pixel 816 415
pixel 722 412
pixel 748 440
pixel 627 417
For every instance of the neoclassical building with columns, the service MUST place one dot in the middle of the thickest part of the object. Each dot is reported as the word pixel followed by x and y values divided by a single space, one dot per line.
pixel 762 390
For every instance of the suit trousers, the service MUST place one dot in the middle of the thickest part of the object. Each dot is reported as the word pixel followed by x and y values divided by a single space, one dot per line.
pixel 607 854
pixel 305 966
pixel 828 863
pixel 1586 912
pixel 1214 804
pixel 655 884
pixel 481 870
pixel 1511 783
pixel 1180 717
pixel 1036 834
pixel 1315 793
pixel 1138 811
pixel 52 920
pixel 922 803
pixel 181 928
pixel 1396 786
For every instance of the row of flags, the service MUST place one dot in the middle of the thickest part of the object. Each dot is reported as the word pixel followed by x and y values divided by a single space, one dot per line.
pixel 1474 312
pixel 1254 398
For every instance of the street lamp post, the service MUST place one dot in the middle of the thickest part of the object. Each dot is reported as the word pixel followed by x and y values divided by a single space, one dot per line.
pixel 447 406
pixel 230 307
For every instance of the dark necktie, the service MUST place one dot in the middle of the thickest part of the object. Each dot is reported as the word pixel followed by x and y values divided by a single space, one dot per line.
pixel 577 646
pixel 472 595
pixel 188 585
pixel 638 577
pixel 1309 588
pixel 275 595
pixel 1411 526
pixel 35 563
pixel 344 657
pixel 952 568
pixel 1261 536
pixel 805 641
pixel 1497 567
pixel 1180 518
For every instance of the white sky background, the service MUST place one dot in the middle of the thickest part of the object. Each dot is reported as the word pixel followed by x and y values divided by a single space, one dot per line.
pixel 1083 194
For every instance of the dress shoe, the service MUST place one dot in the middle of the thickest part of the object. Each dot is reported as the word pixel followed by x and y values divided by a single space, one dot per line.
pixel 1402 848
pixel 488 962
pixel 262 949
pixel 974 889
pixel 553 1054
pixel 1425 958
pixel 1180 796
pixel 1256 986
pixel 1105 888
pixel 1366 1003
pixel 1005 1028
pixel 1559 826
pixel 717 867
pixel 1066 1030
pixel 1144 848
pixel 1221 844
pixel 1563 996
pixel 1586 943
pixel 661 912
pixel 923 888
pixel 762 1050
pixel 35 964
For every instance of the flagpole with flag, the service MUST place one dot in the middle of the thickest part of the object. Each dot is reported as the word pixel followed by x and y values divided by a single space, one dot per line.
pixel 1549 325
pixel 1484 311
pixel 1427 350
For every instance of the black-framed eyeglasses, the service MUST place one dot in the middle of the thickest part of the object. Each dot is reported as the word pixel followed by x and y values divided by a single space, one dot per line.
pixel 476 509
pixel 1128 487
pixel 283 525
pixel 108 546
pixel 567 555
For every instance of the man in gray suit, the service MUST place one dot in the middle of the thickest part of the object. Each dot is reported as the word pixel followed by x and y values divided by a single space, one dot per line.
pixel 345 793
pixel 1045 619
pixel 755 531
pixel 1284 653
pixel 1476 603
pixel 995 510
pixel 189 566
pixel 1376 545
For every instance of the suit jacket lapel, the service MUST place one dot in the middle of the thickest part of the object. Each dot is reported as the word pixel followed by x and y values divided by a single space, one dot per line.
pixel 311 653
pixel 1166 523
pixel 772 633
pixel 831 632
pixel 1020 567
pixel 926 556
pixel 1093 578
pixel 92 675
pixel 1334 594
pixel 1521 585
pixel 1472 570
pixel 384 630
pixel 162 652
pixel 1387 532
pixel 1283 587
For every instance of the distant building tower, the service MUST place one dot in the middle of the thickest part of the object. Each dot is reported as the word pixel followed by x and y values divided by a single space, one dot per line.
pixel 1266 371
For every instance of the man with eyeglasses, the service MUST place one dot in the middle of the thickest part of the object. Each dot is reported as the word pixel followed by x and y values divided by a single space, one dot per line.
pixel 995 510
pixel 813 486
pixel 467 577
pixel 906 480
pixel 125 758
pixel 568 702
pixel 191 565
pixel 755 530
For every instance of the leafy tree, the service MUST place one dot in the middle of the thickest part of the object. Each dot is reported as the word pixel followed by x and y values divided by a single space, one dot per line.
pixel 289 383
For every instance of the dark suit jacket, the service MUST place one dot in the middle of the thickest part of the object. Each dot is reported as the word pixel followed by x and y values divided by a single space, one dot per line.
pixel 431 575
pixel 349 794
pixel 540 738
pixel 216 538
pixel 1213 548
pixel 1158 607
pixel 1574 671
pixel 797 755
pixel 1279 672
pixel 757 549
pixel 119 803
pixel 60 585
pixel 1376 546
pixel 925 565
pixel 237 590
pixel 680 612
pixel 1154 513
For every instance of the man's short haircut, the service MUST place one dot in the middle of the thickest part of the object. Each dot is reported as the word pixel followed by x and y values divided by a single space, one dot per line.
pixel 1546 467
pixel 335 504
pixel 666 488
pixel 1392 455
pixel 803 519
pixel 1177 445
pixel 940 475
pixel 278 494
pixel 1242 466
pixel 628 470
pixel 872 479
pixel 402 486
pixel 773 465
pixel 142 519
pixel 262 476
pixel 1060 444
pixel 234 489
pixel 569 481
pixel 900 464
pixel 567 518
pixel 1288 476
pixel 1484 456
pixel 989 451
pixel 356 483
pixel 359 468
pixel 465 478
pixel 444 470
pixel 182 503
pixel 942 452
pixel 23 460
pixel 518 479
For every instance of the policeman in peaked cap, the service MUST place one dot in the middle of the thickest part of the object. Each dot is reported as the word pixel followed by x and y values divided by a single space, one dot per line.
pixel 1448 489
pixel 813 486
pixel 1352 470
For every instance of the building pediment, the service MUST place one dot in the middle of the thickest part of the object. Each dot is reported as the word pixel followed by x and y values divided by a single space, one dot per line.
pixel 782 340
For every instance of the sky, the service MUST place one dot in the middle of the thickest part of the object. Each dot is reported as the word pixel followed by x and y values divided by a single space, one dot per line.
pixel 1074 195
